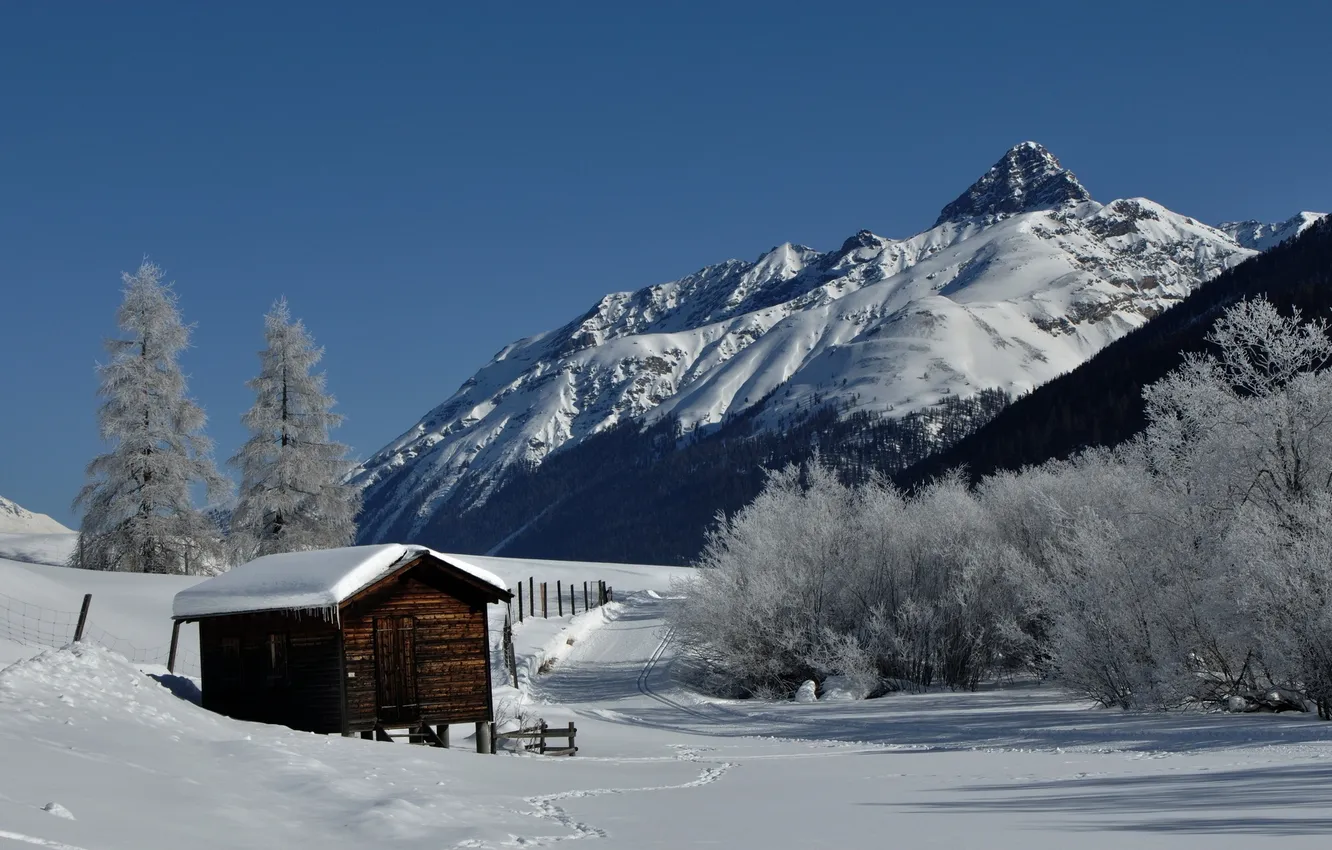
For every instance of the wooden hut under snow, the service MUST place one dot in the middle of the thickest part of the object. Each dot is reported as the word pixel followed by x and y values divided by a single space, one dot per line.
pixel 361 639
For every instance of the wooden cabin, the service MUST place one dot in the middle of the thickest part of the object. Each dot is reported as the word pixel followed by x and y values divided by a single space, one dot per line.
pixel 361 639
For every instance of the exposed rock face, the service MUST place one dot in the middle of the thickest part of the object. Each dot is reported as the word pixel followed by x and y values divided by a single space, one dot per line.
pixel 1027 178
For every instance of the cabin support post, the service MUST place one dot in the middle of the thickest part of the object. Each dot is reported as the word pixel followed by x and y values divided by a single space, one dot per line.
pixel 368 735
pixel 483 743
pixel 442 730
pixel 83 617
pixel 175 642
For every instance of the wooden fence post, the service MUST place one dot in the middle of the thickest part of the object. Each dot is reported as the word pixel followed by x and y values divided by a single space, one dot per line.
pixel 573 748
pixel 175 639
pixel 545 612
pixel 531 595
pixel 585 605
pixel 573 601
pixel 83 617
pixel 510 657
pixel 559 598
pixel 520 601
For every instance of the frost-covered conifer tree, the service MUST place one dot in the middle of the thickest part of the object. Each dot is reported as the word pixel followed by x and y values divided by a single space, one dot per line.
pixel 293 496
pixel 138 515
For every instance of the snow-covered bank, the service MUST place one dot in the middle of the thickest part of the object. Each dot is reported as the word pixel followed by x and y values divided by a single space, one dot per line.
pixel 130 612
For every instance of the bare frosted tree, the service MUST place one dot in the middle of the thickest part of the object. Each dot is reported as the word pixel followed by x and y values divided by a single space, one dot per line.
pixel 138 515
pixel 293 493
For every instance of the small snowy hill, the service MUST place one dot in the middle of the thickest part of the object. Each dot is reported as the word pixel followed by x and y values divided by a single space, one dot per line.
pixel 131 612
pixel 1023 277
pixel 15 519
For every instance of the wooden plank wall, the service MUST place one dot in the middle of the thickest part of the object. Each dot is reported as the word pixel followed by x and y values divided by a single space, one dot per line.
pixel 451 648
pixel 307 697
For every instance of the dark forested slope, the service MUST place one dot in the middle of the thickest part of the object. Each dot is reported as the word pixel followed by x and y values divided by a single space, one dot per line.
pixel 1100 402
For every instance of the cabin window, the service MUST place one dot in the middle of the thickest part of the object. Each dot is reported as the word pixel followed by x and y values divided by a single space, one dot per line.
pixel 231 661
pixel 277 659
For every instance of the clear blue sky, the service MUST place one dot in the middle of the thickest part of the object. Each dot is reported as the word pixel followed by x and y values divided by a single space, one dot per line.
pixel 426 182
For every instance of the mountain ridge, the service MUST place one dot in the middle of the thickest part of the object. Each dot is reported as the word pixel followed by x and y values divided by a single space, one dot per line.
pixel 16 519
pixel 1029 279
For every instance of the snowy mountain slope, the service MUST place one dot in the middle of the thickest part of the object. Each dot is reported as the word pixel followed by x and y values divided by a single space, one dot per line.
pixel 15 519
pixel 1023 277
pixel 1261 235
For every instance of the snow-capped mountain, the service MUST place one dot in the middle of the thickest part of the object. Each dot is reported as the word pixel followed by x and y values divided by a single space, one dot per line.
pixel 1261 235
pixel 1023 277
pixel 16 519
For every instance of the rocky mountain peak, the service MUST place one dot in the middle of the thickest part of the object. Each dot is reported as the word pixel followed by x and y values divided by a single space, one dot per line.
pixel 1027 178
pixel 862 239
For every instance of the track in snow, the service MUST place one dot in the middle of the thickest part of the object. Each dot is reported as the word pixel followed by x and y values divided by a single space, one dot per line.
pixel 599 670
pixel 622 671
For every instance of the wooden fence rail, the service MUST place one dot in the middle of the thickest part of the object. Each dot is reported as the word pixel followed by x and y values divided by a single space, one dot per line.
pixel 540 734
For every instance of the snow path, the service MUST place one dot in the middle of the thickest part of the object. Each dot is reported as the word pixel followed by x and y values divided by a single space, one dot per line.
pixel 547 808
pixel 40 842
pixel 601 664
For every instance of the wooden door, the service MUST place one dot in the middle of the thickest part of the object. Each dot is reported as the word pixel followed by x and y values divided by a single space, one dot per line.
pixel 395 671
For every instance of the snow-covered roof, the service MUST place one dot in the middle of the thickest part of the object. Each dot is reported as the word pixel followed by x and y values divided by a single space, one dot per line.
pixel 320 580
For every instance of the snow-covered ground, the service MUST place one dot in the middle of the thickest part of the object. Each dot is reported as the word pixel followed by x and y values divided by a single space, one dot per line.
pixel 96 755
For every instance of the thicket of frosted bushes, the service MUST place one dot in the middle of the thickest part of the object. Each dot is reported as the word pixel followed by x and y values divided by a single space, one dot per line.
pixel 1190 566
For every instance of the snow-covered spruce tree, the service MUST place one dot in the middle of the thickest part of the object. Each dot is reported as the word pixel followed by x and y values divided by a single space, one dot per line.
pixel 293 496
pixel 138 515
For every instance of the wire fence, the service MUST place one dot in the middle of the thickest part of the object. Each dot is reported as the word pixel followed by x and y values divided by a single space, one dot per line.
pixel 32 625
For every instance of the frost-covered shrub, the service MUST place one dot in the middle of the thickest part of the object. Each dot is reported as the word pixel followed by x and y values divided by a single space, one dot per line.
pixel 816 579
pixel 1210 580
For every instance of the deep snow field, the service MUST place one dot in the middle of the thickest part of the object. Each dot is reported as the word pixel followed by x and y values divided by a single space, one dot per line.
pixel 96 754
